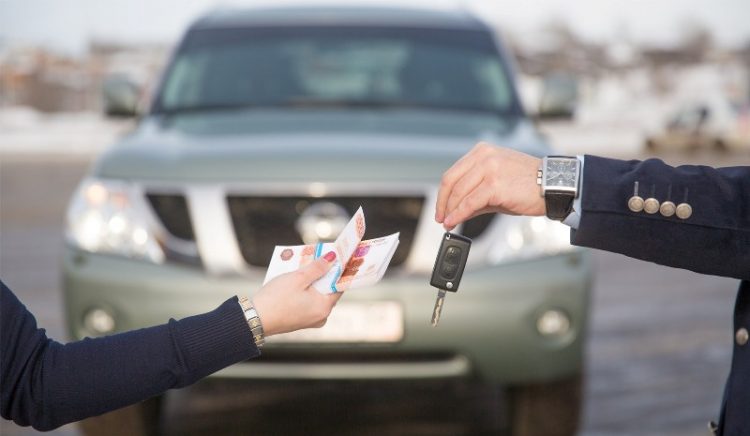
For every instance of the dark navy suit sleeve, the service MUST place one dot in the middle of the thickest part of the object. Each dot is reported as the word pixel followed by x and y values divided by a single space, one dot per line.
pixel 46 384
pixel 715 239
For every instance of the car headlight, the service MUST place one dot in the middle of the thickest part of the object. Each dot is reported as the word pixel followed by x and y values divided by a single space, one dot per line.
pixel 105 216
pixel 518 238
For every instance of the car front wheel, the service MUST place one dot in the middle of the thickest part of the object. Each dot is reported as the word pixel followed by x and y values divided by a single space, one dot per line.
pixel 549 409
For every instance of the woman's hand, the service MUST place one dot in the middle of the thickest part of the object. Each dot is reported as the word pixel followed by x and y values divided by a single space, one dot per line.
pixel 489 179
pixel 288 303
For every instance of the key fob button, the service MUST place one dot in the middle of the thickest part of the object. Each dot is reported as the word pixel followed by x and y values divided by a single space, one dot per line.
pixel 449 270
pixel 453 254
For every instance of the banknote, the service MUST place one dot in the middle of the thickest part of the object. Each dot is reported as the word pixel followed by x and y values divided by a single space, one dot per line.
pixel 358 263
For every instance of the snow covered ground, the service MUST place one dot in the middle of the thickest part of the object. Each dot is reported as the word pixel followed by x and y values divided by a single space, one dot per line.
pixel 24 131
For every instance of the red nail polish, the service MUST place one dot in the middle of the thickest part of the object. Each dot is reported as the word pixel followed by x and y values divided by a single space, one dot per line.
pixel 330 256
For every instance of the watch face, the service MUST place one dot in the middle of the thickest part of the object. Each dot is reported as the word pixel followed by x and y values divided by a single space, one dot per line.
pixel 561 173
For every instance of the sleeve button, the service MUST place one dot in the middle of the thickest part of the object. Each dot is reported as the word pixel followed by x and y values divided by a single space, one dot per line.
pixel 741 336
pixel 684 211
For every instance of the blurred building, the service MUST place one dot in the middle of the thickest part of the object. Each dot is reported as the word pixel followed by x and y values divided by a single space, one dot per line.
pixel 51 82
pixel 621 81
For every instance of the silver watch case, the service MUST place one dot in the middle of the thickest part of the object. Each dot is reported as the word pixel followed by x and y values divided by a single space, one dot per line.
pixel 569 174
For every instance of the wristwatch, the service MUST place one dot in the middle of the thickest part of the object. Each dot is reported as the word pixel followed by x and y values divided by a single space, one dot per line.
pixel 558 177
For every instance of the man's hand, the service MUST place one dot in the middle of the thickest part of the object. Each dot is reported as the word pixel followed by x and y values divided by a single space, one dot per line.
pixel 489 179
pixel 288 303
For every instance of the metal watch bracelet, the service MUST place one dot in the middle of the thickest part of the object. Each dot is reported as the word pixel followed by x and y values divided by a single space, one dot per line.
pixel 253 321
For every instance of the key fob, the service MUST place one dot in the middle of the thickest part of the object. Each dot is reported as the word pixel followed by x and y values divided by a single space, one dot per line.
pixel 450 262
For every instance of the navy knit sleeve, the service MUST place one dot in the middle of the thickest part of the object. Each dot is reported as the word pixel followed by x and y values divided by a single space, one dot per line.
pixel 46 384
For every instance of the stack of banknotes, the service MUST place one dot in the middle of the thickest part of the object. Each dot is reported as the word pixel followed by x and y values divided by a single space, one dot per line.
pixel 358 263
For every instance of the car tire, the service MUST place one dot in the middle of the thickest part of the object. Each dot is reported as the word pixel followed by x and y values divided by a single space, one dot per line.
pixel 142 419
pixel 549 409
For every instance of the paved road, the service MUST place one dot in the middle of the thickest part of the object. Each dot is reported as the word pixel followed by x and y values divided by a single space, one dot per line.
pixel 660 342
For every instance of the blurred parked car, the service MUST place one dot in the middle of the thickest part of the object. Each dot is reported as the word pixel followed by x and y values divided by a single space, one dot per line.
pixel 120 96
pixel 716 124
pixel 559 97
pixel 268 116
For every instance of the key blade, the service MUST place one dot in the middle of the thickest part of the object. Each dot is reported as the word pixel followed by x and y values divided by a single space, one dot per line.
pixel 438 308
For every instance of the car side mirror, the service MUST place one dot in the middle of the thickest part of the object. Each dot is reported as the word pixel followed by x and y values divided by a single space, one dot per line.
pixel 120 96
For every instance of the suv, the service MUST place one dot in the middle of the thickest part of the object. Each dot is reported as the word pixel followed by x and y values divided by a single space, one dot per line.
pixel 268 118
pixel 715 123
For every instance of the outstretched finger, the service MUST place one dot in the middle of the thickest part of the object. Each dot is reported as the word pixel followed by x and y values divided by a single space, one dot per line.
pixel 463 166
pixel 317 268
pixel 474 203
pixel 465 186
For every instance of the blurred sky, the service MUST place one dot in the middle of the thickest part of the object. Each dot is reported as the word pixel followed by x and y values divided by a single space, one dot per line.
pixel 68 25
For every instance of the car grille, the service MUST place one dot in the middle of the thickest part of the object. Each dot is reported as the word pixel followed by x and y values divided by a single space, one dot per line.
pixel 260 223
pixel 474 227
pixel 173 213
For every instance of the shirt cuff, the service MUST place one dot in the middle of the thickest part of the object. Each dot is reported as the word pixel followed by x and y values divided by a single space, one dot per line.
pixel 574 218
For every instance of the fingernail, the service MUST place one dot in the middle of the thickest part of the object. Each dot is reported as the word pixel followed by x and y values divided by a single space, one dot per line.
pixel 330 256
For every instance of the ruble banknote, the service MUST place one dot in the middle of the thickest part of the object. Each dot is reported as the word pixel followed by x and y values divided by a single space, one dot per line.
pixel 358 263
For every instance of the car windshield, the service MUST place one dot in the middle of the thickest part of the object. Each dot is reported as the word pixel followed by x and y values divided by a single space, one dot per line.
pixel 362 67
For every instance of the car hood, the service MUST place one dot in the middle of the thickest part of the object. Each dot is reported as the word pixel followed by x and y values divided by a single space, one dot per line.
pixel 307 146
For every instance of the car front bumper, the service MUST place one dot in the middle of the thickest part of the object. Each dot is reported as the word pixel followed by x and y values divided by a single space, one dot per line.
pixel 488 329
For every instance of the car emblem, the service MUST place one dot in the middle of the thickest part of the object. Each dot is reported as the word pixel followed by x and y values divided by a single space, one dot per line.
pixel 322 221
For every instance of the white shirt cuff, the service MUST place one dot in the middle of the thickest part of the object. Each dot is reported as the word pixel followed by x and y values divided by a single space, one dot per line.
pixel 574 218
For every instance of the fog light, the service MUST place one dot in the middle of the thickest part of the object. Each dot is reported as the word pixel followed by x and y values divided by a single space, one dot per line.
pixel 553 323
pixel 98 321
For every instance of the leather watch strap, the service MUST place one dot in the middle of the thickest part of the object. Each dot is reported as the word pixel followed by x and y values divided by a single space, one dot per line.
pixel 559 204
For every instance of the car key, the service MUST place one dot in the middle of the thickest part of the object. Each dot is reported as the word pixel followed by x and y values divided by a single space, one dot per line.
pixel 448 269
